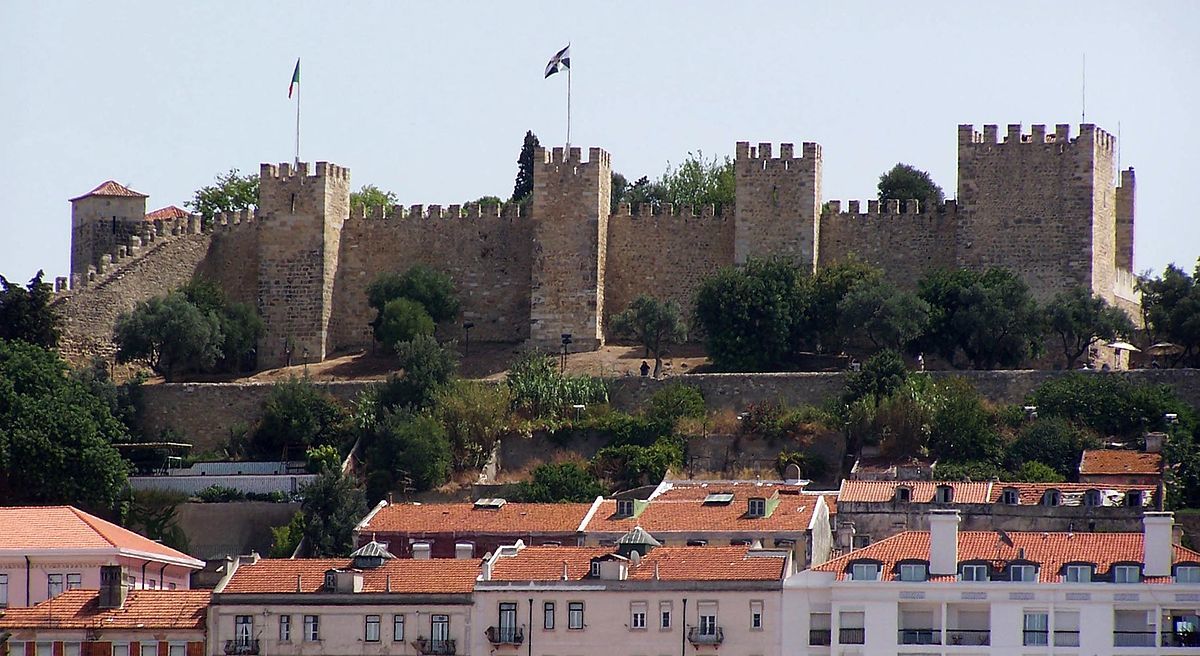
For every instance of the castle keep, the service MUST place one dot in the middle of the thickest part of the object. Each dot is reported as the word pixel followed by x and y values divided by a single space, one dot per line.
pixel 1044 204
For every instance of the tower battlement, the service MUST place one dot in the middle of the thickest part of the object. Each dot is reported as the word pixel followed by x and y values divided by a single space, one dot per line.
pixel 908 207
pixel 555 158
pixel 285 170
pixel 683 211
pixel 1014 135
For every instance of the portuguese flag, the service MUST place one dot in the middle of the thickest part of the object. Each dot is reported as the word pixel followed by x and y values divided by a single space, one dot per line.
pixel 295 78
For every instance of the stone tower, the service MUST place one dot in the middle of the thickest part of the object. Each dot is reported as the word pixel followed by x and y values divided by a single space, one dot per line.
pixel 778 204
pixel 571 201
pixel 1043 205
pixel 299 232
pixel 101 220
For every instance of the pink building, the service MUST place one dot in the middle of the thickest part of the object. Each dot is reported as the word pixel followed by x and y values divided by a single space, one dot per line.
pixel 45 551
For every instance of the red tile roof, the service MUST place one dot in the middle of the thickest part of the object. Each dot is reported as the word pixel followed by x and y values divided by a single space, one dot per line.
pixel 68 529
pixel 143 609
pixel 670 563
pixel 681 509
pixel 1050 550
pixel 1120 461
pixel 516 519
pixel 922 491
pixel 1030 494
pixel 168 212
pixel 112 188
pixel 284 575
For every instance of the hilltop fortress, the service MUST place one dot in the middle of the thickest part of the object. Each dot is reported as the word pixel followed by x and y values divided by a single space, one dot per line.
pixel 1045 204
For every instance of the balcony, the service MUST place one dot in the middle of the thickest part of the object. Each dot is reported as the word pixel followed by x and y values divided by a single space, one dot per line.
pixel 1036 638
pixel 433 647
pixel 819 637
pixel 919 637
pixel 1066 638
pixel 245 646
pixel 969 637
pixel 505 635
pixel 1173 639
pixel 1133 638
pixel 849 636
pixel 699 635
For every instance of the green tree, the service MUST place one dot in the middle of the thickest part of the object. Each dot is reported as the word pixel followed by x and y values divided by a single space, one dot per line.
pixel 971 470
pixel 565 482
pixel 904 182
pixel 656 325
pixel 321 458
pixel 155 514
pixel 523 187
pixel 240 324
pixel 409 452
pixel 962 427
pixel 369 198
pixel 822 294
pixel 427 366
pixel 890 318
pixel 881 376
pixel 171 334
pixel 698 182
pixel 1052 441
pixel 231 193
pixel 1032 471
pixel 474 415
pixel 674 402
pixel 1080 319
pixel 296 417
pixel 750 315
pixel 25 314
pixel 630 465
pixel 432 289
pixel 124 401
pixel 332 505
pixel 1171 312
pixel 55 436
pixel 402 320
pixel 285 539
pixel 990 316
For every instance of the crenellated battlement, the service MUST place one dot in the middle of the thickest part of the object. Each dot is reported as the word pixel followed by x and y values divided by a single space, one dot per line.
pixel 909 207
pixel 435 212
pixel 762 156
pixel 556 158
pixel 1038 134
pixel 285 170
pixel 683 211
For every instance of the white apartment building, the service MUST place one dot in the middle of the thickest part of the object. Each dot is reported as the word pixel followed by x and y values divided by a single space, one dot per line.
pixel 946 592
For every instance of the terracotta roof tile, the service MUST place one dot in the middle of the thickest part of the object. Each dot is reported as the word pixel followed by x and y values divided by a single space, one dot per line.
pixel 143 609
pixel 1120 461
pixel 1050 550
pixel 1030 494
pixel 681 508
pixel 31 528
pixel 922 491
pixel 285 575
pixel 168 212
pixel 671 564
pixel 112 188
pixel 511 518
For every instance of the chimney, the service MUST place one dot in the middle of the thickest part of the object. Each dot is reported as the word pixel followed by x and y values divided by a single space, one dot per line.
pixel 112 587
pixel 845 536
pixel 1154 442
pixel 1157 547
pixel 943 542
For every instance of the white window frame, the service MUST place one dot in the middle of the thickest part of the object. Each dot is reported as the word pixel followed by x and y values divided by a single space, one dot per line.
pixel 177 649
pixel 916 572
pixel 757 619
pixel 549 613
pixel 312 628
pixel 371 627
pixel 664 615
pixel 1073 572
pixel 1010 497
pixel 285 628
pixel 120 648
pixel 397 628
pixel 71 648
pixel 1042 628
pixel 17 648
pixel 756 507
pixel 1123 571
pixel 43 648
pixel 708 622
pixel 976 569
pixel 854 569
pixel 54 585
pixel 243 629
pixel 3 590
pixel 1187 574
pixel 575 615
pixel 1029 573
pixel 149 648
pixel 624 507
pixel 637 615
pixel 439 620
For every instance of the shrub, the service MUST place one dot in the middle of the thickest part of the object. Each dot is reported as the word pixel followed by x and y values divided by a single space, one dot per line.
pixel 321 458
pixel 811 466
pixel 968 471
pixel 961 426
pixel 1111 405
pixel 1032 471
pixel 474 415
pixel 630 465
pixel 674 402
pixel 298 416
pixel 560 483
pixel 881 375
pixel 1052 441
pixel 220 494
pixel 538 389
pixel 285 539
pixel 427 367
pixel 402 320
pixel 407 450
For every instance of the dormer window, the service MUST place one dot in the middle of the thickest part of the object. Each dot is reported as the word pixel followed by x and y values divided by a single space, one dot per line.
pixel 913 572
pixel 1051 498
pixel 756 507
pixel 1093 498
pixel 943 494
pixel 1187 573
pixel 904 494
pixel 331 580
pixel 624 508
pixel 1026 573
pixel 1010 497
pixel 594 569
pixel 1133 498
pixel 1077 574
pixel 973 573
pixel 864 572
pixel 1126 574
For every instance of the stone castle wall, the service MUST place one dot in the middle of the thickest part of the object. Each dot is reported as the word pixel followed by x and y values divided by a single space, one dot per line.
pixel 668 254
pixel 486 254
pixel 778 202
pixel 905 245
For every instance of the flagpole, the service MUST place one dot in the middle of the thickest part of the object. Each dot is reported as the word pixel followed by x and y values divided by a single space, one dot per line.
pixel 568 107
pixel 298 91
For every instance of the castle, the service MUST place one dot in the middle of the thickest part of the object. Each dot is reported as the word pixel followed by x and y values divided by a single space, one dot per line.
pixel 1044 204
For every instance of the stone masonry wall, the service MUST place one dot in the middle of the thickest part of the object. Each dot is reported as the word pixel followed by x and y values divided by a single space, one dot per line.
pixel 100 224
pixel 667 254
pixel 487 256
pixel 232 259
pixel 778 201
pixel 905 245
pixel 1126 210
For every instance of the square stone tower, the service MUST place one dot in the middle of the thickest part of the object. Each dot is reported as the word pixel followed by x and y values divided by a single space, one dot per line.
pixel 571 202
pixel 101 220
pixel 299 233
pixel 778 207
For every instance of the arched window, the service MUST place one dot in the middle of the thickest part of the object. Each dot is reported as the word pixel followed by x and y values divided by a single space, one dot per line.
pixel 1093 498
pixel 1051 497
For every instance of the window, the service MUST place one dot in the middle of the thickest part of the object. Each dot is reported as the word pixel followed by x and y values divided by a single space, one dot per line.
pixel 664 615
pixel 851 627
pixel 70 649
pixel 943 494
pixel 149 648
pixel 371 628
pixel 1093 498
pixel 1078 574
pixel 54 585
pixel 312 628
pixel 285 628
pixel 548 615
pixel 152 584
pixel 45 649
pixel 1022 573
pixel 864 572
pixel 594 569
pixel 177 649
pixel 397 628
pixel 1037 628
pixel 903 494
pixel 74 581
pixel 243 629
pixel 1051 498
pixel 1010 497
pixel 575 615
pixel 331 580
pixel 860 541
pixel 508 621
pixel 756 507
pixel 17 648
pixel 624 507
pixel 3 590
pixel 974 573
pixel 697 543
pixel 756 615
pixel 818 629
pixel 439 628
pixel 1187 574
pixel 118 649
pixel 1127 574
pixel 637 615
pixel 708 623
pixel 1066 628
pixel 1133 498
pixel 170 586
pixel 913 571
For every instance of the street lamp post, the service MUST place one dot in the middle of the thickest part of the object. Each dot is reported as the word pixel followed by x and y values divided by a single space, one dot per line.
pixel 566 340
pixel 467 326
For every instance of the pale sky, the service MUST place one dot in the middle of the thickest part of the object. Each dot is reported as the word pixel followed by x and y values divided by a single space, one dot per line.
pixel 431 100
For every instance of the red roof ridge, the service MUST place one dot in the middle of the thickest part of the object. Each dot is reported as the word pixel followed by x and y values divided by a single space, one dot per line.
pixel 111 188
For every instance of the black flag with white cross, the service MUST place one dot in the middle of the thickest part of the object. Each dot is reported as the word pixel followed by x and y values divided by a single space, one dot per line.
pixel 559 61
